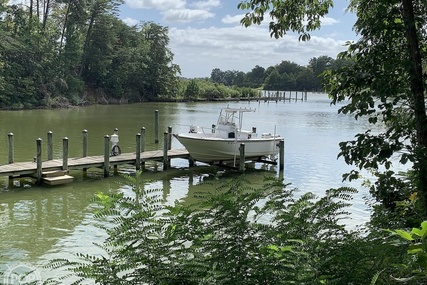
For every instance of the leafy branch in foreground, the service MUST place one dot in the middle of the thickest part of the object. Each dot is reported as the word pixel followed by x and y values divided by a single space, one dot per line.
pixel 237 234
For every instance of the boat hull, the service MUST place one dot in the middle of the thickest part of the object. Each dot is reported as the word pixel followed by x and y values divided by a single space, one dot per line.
pixel 210 149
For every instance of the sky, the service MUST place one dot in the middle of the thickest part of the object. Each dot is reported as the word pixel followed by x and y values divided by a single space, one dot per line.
pixel 207 34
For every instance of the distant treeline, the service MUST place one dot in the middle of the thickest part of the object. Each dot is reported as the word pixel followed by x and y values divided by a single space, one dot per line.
pixel 284 76
pixel 59 54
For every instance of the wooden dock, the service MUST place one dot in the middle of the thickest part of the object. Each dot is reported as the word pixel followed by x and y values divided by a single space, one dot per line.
pixel 22 169
pixel 55 171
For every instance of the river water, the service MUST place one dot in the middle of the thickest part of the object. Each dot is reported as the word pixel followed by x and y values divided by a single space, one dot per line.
pixel 38 223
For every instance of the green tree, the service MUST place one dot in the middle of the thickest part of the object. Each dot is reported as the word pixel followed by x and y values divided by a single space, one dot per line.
pixel 240 79
pixel 306 80
pixel 273 80
pixel 160 73
pixel 236 234
pixel 192 90
pixel 217 75
pixel 256 76
pixel 385 83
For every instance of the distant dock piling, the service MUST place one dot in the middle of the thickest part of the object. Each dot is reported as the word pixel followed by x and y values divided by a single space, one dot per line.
pixel 277 96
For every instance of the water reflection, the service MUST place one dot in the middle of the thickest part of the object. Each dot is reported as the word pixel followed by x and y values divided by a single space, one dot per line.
pixel 43 223
pixel 40 223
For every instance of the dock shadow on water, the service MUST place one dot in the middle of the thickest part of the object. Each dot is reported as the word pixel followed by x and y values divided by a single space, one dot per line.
pixel 41 223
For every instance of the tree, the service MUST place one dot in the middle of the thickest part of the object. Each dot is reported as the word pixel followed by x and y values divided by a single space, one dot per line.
pixel 273 81
pixel 288 67
pixel 161 73
pixel 223 238
pixel 318 65
pixel 385 83
pixel 256 76
pixel 192 90
pixel 287 15
pixel 217 75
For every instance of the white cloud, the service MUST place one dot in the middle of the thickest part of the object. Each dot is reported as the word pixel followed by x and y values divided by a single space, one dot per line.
pixel 328 21
pixel 198 51
pixel 130 22
pixel 207 4
pixel 232 19
pixel 162 5
pixel 186 15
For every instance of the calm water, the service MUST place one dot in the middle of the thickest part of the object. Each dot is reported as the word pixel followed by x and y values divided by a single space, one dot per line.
pixel 41 223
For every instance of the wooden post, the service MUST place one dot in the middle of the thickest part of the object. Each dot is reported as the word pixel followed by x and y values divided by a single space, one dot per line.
pixel 11 154
pixel 84 133
pixel 11 147
pixel 65 153
pixel 85 145
pixel 282 154
pixel 39 161
pixel 156 126
pixel 169 137
pixel 142 145
pixel 106 156
pixel 138 152
pixel 190 161
pixel 165 151
pixel 49 145
pixel 242 158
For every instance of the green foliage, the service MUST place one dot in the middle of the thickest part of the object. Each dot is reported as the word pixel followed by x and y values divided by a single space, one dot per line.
pixel 192 90
pixel 379 77
pixel 202 89
pixel 284 76
pixel 377 86
pixel 236 234
pixel 72 49
pixel 286 15
pixel 413 269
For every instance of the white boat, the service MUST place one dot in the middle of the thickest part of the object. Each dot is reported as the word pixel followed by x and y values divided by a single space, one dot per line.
pixel 221 142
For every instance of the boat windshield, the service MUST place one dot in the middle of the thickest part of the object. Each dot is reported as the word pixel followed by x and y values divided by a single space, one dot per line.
pixel 233 116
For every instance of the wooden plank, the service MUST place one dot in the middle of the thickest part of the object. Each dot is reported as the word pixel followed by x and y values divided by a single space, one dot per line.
pixel 54 173
pixel 58 180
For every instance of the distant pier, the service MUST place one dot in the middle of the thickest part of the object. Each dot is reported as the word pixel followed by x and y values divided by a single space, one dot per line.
pixel 275 95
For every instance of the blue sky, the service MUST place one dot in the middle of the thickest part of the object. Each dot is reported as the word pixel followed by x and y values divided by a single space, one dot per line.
pixel 207 34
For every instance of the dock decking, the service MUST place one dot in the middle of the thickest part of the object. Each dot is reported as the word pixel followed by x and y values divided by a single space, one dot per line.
pixel 17 169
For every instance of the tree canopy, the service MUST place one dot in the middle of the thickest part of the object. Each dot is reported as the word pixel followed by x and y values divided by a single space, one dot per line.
pixel 54 53
pixel 384 83
pixel 286 75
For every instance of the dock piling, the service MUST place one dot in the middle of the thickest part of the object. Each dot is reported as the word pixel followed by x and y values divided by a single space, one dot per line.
pixel 156 126
pixel 49 145
pixel 65 153
pixel 142 145
pixel 169 138
pixel 282 154
pixel 106 155
pixel 242 158
pixel 39 161
pixel 11 147
pixel 84 135
pixel 138 152
pixel 165 151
